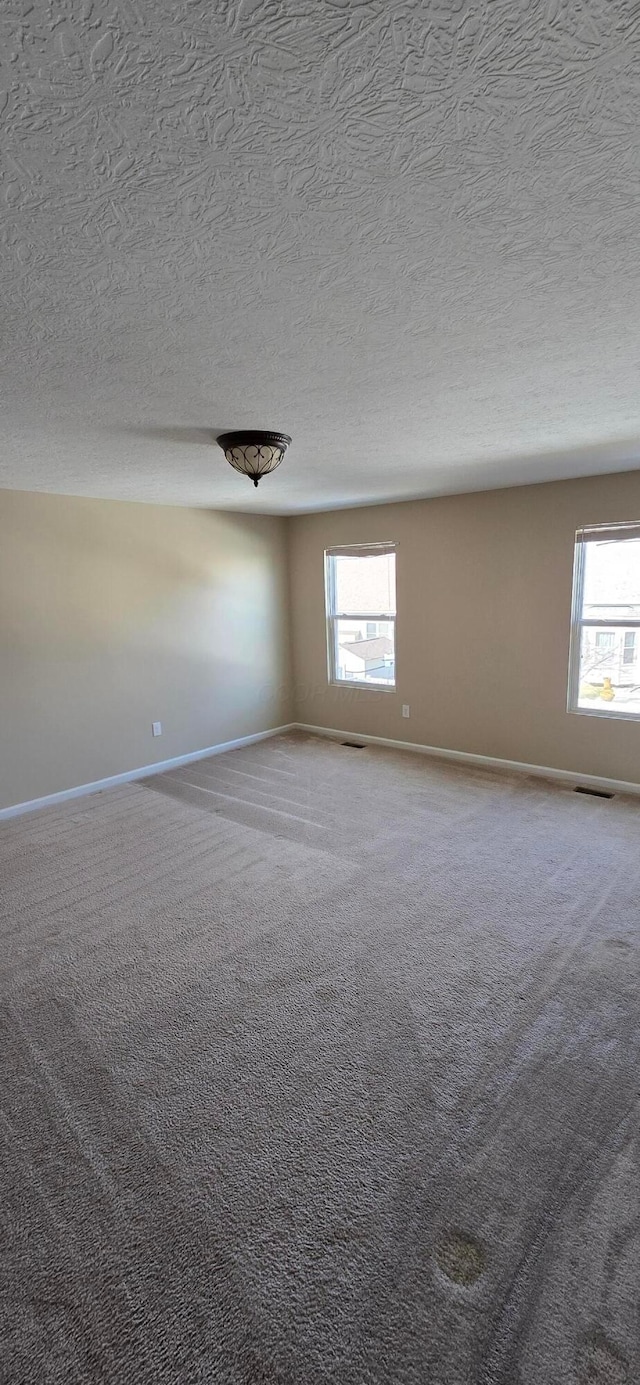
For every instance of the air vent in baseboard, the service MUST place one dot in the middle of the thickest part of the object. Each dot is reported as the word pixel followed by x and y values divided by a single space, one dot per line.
pixel 353 745
pixel 593 793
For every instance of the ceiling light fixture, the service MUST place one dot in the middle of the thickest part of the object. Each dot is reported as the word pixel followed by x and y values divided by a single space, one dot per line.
pixel 255 454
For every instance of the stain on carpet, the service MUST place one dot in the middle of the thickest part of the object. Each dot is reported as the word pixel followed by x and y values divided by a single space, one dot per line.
pixel 601 1363
pixel 460 1258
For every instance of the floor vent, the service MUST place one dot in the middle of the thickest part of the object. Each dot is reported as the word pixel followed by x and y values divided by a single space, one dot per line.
pixel 593 793
pixel 353 745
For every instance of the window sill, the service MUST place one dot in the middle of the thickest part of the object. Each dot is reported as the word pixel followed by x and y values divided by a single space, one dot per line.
pixel 362 687
pixel 600 712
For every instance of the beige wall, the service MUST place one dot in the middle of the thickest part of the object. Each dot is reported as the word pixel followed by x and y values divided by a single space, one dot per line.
pixel 484 600
pixel 116 615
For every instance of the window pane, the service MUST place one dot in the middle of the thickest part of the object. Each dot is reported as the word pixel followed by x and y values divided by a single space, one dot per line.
pixel 611 580
pixel 365 584
pixel 361 657
pixel 608 672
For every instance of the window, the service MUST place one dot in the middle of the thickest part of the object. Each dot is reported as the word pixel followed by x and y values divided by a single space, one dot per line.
pixel 361 614
pixel 603 672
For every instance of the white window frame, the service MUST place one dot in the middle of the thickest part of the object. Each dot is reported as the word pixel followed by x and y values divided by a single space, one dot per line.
pixel 365 550
pixel 594 533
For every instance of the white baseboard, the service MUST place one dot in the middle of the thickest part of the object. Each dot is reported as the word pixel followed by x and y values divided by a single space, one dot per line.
pixel 143 773
pixel 463 757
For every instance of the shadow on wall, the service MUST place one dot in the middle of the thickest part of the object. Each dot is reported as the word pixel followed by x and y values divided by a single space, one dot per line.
pixel 148 572
pixel 114 615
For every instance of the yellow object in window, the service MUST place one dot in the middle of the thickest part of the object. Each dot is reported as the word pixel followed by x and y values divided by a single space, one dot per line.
pixel 607 693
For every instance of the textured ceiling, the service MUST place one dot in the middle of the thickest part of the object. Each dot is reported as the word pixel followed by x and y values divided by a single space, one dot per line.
pixel 405 233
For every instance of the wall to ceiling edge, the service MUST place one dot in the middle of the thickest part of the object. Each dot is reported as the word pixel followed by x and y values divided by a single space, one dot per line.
pixel 114 615
pixel 484 586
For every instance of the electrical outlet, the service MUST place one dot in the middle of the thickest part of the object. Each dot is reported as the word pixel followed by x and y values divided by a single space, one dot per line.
pixel 156 728
pixel 405 709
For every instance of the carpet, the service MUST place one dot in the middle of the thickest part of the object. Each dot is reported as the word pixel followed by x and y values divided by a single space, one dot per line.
pixel 321 1065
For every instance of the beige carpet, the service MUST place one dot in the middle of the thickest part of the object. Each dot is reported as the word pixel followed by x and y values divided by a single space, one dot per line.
pixel 322 1065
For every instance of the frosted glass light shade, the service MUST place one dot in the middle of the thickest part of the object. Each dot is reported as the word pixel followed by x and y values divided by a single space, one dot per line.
pixel 254 453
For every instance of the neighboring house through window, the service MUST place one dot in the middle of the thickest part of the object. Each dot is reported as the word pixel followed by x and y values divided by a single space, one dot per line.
pixel 604 677
pixel 360 584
